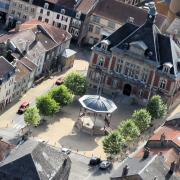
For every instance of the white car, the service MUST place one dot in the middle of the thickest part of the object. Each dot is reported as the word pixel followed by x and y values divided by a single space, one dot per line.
pixel 66 151
pixel 105 165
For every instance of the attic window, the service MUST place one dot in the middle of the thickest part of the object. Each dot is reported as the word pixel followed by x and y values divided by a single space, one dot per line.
pixel 46 5
pixel 78 15
pixel 167 67
pixel 105 44
pixel 62 11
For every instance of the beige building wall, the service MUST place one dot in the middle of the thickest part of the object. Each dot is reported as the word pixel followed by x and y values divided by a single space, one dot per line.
pixel 21 10
pixel 98 29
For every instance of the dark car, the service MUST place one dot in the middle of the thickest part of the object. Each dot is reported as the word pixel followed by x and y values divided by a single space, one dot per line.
pixel 23 107
pixel 105 165
pixel 94 161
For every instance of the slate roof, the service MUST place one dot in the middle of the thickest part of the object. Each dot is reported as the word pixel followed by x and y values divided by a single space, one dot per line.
pixel 5 67
pixel 120 12
pixel 161 49
pixel 146 169
pixel 68 5
pixel 32 161
pixel 22 71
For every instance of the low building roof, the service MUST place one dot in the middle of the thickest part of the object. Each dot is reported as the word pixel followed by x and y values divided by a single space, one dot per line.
pixel 171 133
pixel 22 71
pixel 33 160
pixel 5 67
pixel 120 12
pixel 68 53
pixel 146 169
pixel 85 6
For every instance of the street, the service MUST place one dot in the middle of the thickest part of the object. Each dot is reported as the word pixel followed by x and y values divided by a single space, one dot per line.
pixel 81 171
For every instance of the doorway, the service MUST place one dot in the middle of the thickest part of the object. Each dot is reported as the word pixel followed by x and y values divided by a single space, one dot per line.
pixel 127 90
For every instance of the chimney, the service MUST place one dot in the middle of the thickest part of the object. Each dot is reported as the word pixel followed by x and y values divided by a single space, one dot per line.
pixel 125 170
pixel 18 24
pixel 151 13
pixel 162 139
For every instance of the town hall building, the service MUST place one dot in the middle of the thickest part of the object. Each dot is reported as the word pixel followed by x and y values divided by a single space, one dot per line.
pixel 137 61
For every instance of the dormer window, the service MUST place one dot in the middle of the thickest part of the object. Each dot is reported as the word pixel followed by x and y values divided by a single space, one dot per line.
pixel 78 15
pixel 46 6
pixel 167 67
pixel 62 11
pixel 104 44
pixel 138 47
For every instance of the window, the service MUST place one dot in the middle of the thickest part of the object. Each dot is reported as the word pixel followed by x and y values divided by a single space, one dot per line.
pixel 18 14
pixel 144 75
pixel 32 10
pixel 111 24
pixel 20 6
pixel 13 12
pixel 64 18
pixel 24 16
pixel 97 30
pixel 119 66
pixel 48 13
pixel 53 23
pixel 162 84
pixel 131 70
pixel 58 16
pixel 41 11
pixel 96 19
pixel 46 20
pixel 90 28
pixel 39 18
pixel 14 4
pixel 101 61
pixel 26 8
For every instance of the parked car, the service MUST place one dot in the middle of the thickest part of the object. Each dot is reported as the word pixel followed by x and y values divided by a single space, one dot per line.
pixel 66 151
pixel 105 165
pixel 94 161
pixel 59 81
pixel 23 107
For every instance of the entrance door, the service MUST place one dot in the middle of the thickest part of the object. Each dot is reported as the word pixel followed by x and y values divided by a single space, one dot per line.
pixel 127 90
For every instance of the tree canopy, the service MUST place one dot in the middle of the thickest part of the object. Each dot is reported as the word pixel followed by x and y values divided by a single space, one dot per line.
pixel 61 95
pixel 32 117
pixel 128 129
pixel 76 83
pixel 113 143
pixel 142 119
pixel 47 106
pixel 156 107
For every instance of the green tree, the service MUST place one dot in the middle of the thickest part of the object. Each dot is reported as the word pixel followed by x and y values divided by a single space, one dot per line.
pixel 128 129
pixel 156 107
pixel 76 83
pixel 47 106
pixel 142 119
pixel 61 95
pixel 32 117
pixel 113 143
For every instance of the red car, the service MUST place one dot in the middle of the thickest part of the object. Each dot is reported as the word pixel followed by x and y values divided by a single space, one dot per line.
pixel 59 81
pixel 23 107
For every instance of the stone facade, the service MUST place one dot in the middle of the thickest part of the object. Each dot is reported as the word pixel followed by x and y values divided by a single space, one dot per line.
pixel 130 62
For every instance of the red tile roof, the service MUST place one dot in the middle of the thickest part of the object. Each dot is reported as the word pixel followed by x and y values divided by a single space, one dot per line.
pixel 120 12
pixel 85 6
pixel 171 133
